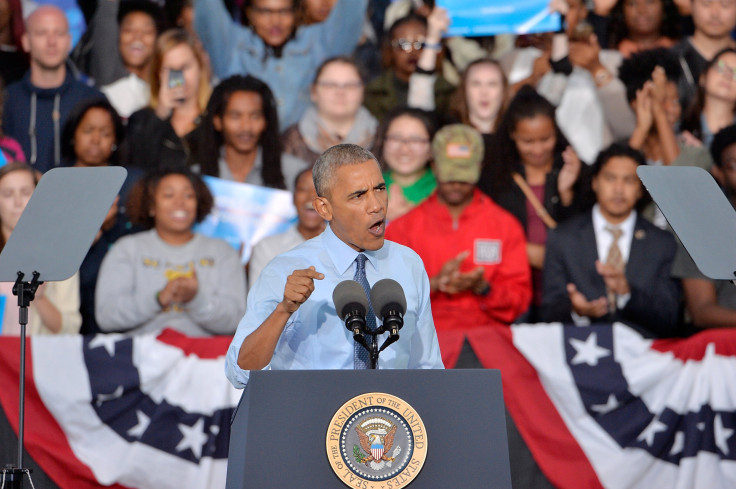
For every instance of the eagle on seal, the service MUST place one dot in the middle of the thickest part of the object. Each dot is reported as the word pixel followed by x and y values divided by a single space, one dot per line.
pixel 375 447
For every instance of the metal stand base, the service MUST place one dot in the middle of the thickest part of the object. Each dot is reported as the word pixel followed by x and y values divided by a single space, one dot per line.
pixel 12 478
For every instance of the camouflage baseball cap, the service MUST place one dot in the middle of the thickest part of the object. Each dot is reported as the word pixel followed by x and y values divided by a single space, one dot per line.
pixel 458 152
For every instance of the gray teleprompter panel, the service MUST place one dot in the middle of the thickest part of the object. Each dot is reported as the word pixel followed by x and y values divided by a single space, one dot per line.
pixel 59 223
pixel 699 214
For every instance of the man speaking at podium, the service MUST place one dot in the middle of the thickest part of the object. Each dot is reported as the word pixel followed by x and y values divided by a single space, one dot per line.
pixel 291 322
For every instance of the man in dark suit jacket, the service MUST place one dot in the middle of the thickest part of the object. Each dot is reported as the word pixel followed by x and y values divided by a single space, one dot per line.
pixel 610 264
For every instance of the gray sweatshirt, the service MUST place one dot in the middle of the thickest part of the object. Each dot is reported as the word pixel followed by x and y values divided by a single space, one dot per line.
pixel 138 266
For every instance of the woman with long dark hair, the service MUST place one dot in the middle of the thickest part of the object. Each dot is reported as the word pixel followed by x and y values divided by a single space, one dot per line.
pixel 534 174
pixel 238 138
pixel 715 105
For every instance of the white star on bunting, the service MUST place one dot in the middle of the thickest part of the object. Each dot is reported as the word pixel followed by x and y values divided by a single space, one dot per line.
pixel 116 394
pixel 588 351
pixel 651 431
pixel 722 434
pixel 106 340
pixel 193 438
pixel 606 408
pixel 678 444
pixel 143 422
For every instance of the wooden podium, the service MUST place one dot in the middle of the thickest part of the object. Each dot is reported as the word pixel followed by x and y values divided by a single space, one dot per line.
pixel 279 431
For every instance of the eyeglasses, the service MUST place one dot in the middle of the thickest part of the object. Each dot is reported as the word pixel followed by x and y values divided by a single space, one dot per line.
pixel 407 45
pixel 280 12
pixel 334 86
pixel 725 70
pixel 415 144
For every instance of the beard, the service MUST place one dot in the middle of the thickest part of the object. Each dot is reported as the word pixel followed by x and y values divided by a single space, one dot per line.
pixel 45 66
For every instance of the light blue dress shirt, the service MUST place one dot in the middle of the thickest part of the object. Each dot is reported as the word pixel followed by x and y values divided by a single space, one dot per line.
pixel 235 49
pixel 314 336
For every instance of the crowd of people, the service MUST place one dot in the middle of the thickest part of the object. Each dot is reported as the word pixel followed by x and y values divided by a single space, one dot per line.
pixel 509 161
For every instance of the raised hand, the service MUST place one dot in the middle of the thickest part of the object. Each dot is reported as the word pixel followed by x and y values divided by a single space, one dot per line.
pixel 437 24
pixel 299 286
pixel 569 174
pixel 462 281
pixel 448 270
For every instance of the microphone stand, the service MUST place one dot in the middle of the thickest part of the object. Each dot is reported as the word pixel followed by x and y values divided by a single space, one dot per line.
pixel 392 323
pixel 371 346
pixel 26 292
pixel 374 351
pixel 355 322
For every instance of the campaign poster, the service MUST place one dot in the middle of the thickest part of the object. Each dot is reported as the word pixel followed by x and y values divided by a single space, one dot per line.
pixel 470 18
pixel 244 214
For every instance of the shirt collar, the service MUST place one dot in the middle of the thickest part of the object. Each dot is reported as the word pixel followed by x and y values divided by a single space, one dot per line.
pixel 343 255
pixel 600 224
pixel 225 172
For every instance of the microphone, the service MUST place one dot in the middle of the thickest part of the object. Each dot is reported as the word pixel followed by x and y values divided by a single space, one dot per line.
pixel 389 303
pixel 351 305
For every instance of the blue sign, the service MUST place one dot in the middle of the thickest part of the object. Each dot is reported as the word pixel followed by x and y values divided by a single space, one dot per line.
pixel 77 26
pixel 244 214
pixel 2 311
pixel 470 18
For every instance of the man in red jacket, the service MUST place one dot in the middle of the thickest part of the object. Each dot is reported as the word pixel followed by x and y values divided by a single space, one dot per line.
pixel 473 250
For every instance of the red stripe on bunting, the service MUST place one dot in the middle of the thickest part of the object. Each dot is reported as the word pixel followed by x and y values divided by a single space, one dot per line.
pixel 554 448
pixel 203 347
pixel 694 348
pixel 44 439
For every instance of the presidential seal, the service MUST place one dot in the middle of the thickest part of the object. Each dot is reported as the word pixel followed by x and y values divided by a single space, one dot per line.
pixel 376 441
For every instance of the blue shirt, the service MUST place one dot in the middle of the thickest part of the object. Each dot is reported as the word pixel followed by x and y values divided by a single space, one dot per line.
pixel 314 336
pixel 235 49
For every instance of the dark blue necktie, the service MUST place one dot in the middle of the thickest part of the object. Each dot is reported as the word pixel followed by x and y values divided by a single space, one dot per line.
pixel 361 357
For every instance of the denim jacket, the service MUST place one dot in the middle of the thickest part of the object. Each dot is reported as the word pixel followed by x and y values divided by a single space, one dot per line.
pixel 235 49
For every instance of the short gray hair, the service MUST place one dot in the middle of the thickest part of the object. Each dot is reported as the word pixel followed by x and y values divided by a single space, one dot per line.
pixel 339 155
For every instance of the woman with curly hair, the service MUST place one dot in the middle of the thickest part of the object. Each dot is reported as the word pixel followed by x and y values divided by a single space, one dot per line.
pixel 170 276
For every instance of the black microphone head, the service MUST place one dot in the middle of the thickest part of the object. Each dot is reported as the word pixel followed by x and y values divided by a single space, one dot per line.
pixel 349 296
pixel 387 294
